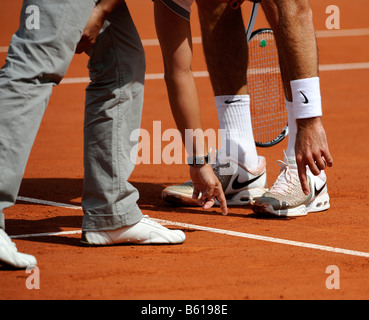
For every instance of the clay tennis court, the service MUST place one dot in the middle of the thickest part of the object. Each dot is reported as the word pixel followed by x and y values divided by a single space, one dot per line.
pixel 234 257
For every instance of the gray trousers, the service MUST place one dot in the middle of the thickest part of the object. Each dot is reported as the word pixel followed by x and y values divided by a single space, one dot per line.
pixel 37 60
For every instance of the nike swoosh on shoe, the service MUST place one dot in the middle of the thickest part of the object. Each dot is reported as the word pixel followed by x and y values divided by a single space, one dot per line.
pixel 236 185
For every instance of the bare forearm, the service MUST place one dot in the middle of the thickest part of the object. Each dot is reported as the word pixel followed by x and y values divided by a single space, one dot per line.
pixel 174 34
pixel 107 6
pixel 185 107
pixel 98 16
pixel 295 22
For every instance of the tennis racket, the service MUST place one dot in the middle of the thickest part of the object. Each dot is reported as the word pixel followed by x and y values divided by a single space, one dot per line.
pixel 267 99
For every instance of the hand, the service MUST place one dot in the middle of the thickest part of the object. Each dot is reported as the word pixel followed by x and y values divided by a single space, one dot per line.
pixel 311 149
pixel 91 30
pixel 206 182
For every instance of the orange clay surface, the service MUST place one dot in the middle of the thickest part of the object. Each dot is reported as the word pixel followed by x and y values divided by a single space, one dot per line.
pixel 208 265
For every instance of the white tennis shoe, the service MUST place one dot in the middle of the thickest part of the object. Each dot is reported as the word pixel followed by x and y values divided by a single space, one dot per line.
pixel 286 198
pixel 9 255
pixel 146 231
pixel 240 185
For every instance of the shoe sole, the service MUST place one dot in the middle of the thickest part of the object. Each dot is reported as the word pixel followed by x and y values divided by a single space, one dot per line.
pixel 152 240
pixel 243 198
pixel 319 204
pixel 129 243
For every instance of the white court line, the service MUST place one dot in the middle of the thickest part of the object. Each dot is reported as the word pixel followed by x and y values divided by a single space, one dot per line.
pixel 342 33
pixel 149 76
pixel 196 227
pixel 49 203
pixel 319 34
pixel 155 42
pixel 344 66
pixel 205 74
pixel 46 234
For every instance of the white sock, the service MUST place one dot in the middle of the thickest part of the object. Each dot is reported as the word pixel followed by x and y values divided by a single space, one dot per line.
pixel 235 119
pixel 292 130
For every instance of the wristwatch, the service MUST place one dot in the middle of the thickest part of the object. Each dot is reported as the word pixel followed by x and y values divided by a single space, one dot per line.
pixel 198 160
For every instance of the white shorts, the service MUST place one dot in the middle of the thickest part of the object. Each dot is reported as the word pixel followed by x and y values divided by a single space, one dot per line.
pixel 181 7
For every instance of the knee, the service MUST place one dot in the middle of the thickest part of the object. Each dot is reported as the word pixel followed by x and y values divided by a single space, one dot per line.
pixel 292 10
pixel 210 10
pixel 287 15
pixel 208 5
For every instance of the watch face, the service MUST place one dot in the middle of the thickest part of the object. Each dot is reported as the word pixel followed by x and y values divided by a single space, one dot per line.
pixel 198 160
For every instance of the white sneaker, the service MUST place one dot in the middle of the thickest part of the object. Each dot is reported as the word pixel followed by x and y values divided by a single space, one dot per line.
pixel 286 198
pixel 10 256
pixel 146 231
pixel 240 185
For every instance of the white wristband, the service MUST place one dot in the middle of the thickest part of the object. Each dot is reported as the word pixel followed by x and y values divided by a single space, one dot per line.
pixel 306 97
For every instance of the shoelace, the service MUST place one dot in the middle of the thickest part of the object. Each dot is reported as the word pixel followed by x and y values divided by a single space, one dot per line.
pixel 285 177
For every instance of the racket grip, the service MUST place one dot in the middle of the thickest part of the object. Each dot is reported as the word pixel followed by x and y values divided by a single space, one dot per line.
pixel 234 4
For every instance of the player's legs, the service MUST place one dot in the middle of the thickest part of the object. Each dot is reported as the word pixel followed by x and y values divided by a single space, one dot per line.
pixel 226 54
pixel 225 47
pixel 37 59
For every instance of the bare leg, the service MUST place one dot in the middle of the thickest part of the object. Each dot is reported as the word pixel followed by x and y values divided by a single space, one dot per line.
pixel 225 47
pixel 226 53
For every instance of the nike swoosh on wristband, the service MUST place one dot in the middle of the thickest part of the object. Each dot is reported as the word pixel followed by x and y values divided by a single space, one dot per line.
pixel 239 185
pixel 232 101
pixel 306 99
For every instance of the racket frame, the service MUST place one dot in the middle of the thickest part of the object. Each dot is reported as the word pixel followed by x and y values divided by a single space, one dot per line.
pixel 249 35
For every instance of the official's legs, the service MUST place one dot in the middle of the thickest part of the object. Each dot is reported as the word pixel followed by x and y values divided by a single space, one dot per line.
pixel 37 59
pixel 114 102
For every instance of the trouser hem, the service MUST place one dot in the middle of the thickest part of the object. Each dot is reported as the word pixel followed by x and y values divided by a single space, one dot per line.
pixel 105 222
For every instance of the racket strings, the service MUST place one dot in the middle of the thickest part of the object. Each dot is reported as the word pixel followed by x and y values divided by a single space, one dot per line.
pixel 265 87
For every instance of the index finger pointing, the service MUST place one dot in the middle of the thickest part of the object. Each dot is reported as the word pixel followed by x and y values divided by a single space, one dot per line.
pixel 221 199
